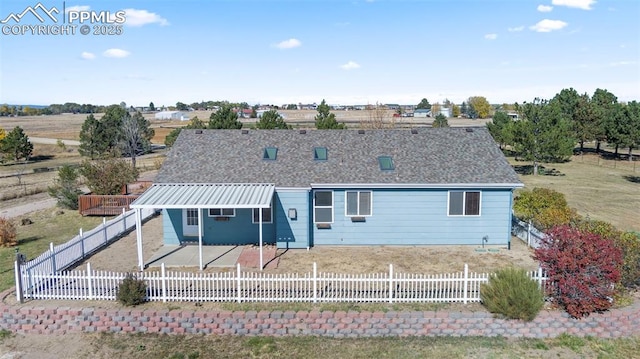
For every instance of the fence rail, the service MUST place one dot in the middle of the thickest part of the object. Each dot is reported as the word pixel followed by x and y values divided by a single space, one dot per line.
pixel 526 232
pixel 265 287
pixel 63 256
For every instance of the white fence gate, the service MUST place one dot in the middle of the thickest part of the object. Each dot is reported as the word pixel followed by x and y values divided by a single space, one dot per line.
pixel 264 287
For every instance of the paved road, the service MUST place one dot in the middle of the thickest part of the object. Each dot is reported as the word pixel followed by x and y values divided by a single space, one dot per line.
pixel 53 141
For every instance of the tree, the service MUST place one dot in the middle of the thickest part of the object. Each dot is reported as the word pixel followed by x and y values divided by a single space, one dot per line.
pixel 224 119
pixel 544 207
pixel 15 145
pixel 182 106
pixel 271 120
pixel 543 135
pixel 152 107
pixel 585 125
pixel 582 268
pixel 604 106
pixel 464 109
pixel 107 176
pixel 3 134
pixel 377 118
pixel 66 187
pixel 424 104
pixel 195 123
pixel 440 121
pixel 325 120
pixel 501 128
pixel 91 141
pixel 481 107
pixel 623 128
pixel 135 136
pixel 456 111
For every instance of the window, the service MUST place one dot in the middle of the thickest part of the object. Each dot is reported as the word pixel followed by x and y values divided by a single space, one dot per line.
pixel 323 207
pixel 358 203
pixel 190 222
pixel 320 153
pixel 267 215
pixel 270 153
pixel 386 163
pixel 464 203
pixel 192 217
pixel 222 212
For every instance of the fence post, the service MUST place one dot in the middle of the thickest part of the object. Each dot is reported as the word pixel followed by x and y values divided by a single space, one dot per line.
pixel 315 282
pixel 53 257
pixel 238 283
pixel 163 272
pixel 390 283
pixel 104 229
pixel 124 221
pixel 89 281
pixel 466 283
pixel 540 277
pixel 529 234
pixel 81 242
pixel 18 272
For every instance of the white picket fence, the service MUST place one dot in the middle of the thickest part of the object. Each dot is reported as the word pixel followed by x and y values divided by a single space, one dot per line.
pixel 63 256
pixel 242 286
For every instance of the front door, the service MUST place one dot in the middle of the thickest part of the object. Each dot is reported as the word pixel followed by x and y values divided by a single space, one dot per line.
pixel 190 222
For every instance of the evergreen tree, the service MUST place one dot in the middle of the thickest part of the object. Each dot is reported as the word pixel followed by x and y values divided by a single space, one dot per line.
pixel 91 144
pixel 15 145
pixel 195 123
pixel 424 104
pixel 224 119
pixel 440 121
pixel 543 135
pixel 66 188
pixel 501 128
pixel 325 120
pixel 272 120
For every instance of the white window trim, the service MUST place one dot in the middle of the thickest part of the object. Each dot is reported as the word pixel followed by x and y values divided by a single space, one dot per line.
pixel 263 221
pixel 333 202
pixel 221 210
pixel 358 202
pixel 464 203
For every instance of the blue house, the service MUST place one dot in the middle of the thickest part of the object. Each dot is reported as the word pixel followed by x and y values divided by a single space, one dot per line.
pixel 306 188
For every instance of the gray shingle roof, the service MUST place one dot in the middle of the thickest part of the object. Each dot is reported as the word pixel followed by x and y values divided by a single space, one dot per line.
pixel 431 156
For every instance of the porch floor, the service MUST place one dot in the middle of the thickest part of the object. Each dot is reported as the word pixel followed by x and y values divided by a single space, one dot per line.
pixel 187 256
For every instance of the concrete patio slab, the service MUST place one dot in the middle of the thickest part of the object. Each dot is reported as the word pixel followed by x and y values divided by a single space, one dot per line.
pixel 188 256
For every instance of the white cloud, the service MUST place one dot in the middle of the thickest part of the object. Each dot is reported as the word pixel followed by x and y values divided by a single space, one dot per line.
pixel 139 18
pixel 351 65
pixel 87 55
pixel 491 36
pixel 116 53
pixel 579 4
pixel 516 29
pixel 547 25
pixel 77 8
pixel 289 44
pixel 545 8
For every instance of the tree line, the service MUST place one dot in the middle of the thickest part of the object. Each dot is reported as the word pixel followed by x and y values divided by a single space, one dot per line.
pixel 548 130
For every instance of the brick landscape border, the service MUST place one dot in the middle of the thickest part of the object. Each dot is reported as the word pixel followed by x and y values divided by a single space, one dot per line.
pixel 23 319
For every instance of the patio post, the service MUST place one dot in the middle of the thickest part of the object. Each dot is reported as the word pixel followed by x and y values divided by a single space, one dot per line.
pixel 200 236
pixel 260 220
pixel 139 239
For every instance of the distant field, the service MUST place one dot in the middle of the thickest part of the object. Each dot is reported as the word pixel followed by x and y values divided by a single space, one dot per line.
pixel 67 126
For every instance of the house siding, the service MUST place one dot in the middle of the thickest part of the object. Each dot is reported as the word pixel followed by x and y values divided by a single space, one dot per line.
pixel 237 230
pixel 292 233
pixel 419 217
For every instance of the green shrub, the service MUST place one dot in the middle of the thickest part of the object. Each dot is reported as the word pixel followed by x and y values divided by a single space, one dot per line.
pixel 545 207
pixel 512 293
pixel 132 291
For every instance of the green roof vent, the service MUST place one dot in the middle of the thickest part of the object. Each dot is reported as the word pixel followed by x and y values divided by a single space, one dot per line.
pixel 386 163
pixel 320 153
pixel 270 153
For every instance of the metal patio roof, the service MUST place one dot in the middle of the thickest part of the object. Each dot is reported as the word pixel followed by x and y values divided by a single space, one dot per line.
pixel 206 195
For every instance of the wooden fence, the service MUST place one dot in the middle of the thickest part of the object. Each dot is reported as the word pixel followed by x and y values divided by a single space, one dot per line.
pixel 242 286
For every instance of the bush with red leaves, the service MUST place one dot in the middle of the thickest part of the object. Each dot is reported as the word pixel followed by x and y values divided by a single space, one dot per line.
pixel 582 268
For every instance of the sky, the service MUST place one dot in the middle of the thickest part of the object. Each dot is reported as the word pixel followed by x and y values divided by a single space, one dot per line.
pixel 303 51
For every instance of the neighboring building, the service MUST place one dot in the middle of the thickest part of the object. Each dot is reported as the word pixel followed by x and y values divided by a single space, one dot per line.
pixel 171 115
pixel 299 189
pixel 422 112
